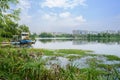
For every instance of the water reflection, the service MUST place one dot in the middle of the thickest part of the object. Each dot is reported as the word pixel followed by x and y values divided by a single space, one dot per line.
pixel 101 46
pixel 22 46
pixel 82 41
pixel 53 40
pixel 45 41
pixel 104 41
pixel 83 62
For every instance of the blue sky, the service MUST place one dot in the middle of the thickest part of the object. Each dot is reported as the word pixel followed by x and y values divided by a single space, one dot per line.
pixel 68 15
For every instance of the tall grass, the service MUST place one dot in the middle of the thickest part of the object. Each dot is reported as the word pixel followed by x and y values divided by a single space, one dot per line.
pixel 26 64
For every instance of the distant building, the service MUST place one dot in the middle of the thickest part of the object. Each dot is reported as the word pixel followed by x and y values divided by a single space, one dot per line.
pixel 80 32
pixel 92 32
pixel 58 33
pixel 109 32
pixel 83 32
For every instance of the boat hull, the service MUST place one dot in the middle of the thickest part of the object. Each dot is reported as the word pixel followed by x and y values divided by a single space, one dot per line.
pixel 25 41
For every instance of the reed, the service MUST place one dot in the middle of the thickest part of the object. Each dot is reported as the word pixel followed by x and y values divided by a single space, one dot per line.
pixel 112 57
pixel 27 64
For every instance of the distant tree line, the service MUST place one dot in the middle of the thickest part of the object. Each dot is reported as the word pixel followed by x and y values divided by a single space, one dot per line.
pixel 81 36
pixel 99 36
pixel 44 34
pixel 50 35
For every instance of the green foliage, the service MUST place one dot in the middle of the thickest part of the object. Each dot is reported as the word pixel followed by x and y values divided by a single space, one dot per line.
pixel 104 35
pixel 72 51
pixel 73 57
pixel 33 36
pixel 49 35
pixel 5 7
pixel 24 28
pixel 47 52
pixel 27 64
pixel 9 20
pixel 12 29
pixel 112 57
pixel 44 34
pixel 100 36
pixel 64 35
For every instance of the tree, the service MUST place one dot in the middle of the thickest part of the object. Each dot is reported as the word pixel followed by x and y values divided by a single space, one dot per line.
pixel 7 12
pixel 8 18
pixel 44 34
pixel 33 36
pixel 24 28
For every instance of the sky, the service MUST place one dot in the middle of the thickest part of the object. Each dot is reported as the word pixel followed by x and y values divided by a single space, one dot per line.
pixel 68 15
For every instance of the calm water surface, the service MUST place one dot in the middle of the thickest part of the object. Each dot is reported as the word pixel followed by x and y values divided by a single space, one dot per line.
pixel 98 46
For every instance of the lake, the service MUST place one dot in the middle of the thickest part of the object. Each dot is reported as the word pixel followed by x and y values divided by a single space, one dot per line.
pixel 104 46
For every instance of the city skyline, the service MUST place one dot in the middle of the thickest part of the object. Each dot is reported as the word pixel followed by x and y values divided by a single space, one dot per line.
pixel 68 15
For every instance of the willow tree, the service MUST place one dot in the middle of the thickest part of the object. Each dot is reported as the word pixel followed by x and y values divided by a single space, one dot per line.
pixel 7 12
pixel 8 17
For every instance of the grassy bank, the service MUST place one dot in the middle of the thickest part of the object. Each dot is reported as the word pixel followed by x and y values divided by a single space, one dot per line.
pixel 29 64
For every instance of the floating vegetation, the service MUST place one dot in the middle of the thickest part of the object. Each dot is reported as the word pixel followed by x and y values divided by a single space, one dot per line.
pixel 41 64
pixel 112 57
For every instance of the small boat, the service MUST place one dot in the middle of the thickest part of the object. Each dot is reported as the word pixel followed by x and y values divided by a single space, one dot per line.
pixel 26 42
pixel 24 39
pixel 15 43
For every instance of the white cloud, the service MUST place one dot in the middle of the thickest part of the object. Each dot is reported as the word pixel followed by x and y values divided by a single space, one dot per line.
pixel 54 3
pixel 63 3
pixel 24 5
pixel 64 19
pixel 49 21
pixel 50 16
pixel 25 18
pixel 55 22
pixel 80 19
pixel 65 14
